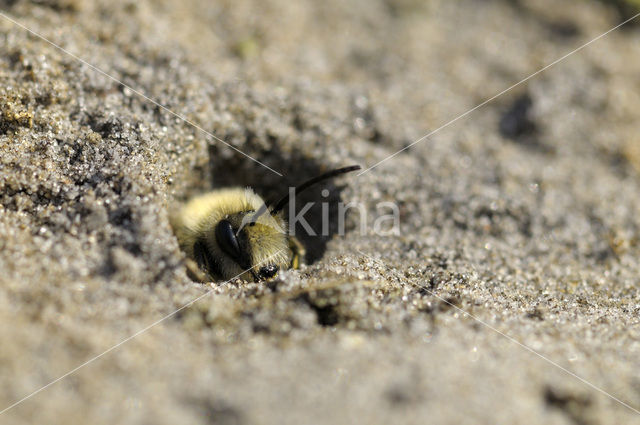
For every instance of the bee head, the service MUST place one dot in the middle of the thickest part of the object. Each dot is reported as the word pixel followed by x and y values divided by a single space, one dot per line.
pixel 260 247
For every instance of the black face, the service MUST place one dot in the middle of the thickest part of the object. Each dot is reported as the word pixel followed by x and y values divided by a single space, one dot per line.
pixel 228 242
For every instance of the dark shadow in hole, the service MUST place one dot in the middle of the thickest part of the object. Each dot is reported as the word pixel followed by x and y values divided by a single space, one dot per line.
pixel 518 124
pixel 237 171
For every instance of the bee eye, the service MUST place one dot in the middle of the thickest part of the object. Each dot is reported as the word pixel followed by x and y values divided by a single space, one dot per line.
pixel 268 271
pixel 226 238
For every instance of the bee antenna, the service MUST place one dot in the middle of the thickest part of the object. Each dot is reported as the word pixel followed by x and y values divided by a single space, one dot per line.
pixel 248 219
pixel 306 185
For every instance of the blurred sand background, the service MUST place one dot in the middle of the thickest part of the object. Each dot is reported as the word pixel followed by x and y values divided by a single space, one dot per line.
pixel 524 213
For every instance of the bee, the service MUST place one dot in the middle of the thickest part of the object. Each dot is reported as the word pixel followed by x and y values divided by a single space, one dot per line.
pixel 232 232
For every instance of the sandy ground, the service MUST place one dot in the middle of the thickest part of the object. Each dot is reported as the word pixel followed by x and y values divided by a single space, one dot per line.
pixel 522 214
